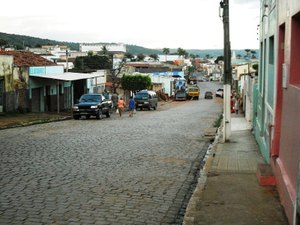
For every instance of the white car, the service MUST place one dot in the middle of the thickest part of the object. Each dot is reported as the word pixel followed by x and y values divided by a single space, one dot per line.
pixel 219 92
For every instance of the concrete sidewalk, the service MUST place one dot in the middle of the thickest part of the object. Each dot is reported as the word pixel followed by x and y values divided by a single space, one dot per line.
pixel 27 119
pixel 228 191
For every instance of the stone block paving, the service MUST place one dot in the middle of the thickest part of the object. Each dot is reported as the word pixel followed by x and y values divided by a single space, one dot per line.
pixel 237 157
pixel 111 171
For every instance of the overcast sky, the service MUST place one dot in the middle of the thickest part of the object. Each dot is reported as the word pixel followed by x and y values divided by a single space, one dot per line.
pixel 188 24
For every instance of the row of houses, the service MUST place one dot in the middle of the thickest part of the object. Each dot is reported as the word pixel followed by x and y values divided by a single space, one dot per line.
pixel 37 80
pixel 32 83
pixel 272 98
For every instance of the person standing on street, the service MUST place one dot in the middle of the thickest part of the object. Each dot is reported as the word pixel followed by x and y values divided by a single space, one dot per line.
pixel 131 106
pixel 232 104
pixel 121 105
pixel 114 99
pixel 236 105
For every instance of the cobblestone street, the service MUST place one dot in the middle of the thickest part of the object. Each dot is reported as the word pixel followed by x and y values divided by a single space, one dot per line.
pixel 111 171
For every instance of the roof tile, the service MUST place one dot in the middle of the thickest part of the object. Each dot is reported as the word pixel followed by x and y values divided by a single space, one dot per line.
pixel 26 58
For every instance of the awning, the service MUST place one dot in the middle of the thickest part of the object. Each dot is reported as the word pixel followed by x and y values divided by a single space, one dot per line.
pixel 68 76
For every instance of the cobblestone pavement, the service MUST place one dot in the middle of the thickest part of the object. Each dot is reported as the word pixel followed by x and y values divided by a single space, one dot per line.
pixel 111 171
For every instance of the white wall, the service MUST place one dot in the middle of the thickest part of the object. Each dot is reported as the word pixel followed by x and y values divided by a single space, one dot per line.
pixel 165 81
pixel 98 47
pixel 97 84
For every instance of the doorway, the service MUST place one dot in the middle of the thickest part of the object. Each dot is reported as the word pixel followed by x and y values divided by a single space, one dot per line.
pixel 1 94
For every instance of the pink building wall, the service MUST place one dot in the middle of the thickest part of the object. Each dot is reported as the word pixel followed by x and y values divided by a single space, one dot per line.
pixel 286 140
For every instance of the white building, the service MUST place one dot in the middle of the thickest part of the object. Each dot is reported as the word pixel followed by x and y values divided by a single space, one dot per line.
pixel 96 47
pixel 165 81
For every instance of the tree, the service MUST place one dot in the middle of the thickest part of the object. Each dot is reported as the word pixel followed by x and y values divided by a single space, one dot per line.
pixel 129 56
pixel 219 58
pixel 253 54
pixel 192 56
pixel 166 51
pixel 135 82
pixel 191 70
pixel 247 56
pixel 140 57
pixel 181 52
pixel 186 54
pixel 90 53
pixel 154 57
pixel 3 43
pixel 115 72
pixel 255 66
pixel 92 62
pixel 250 54
pixel 104 50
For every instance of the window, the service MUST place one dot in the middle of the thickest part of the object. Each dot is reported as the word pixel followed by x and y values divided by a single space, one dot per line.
pixel 271 50
pixel 295 51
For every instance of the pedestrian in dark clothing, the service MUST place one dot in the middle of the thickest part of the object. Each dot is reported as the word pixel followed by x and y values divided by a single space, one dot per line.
pixel 114 99
pixel 131 106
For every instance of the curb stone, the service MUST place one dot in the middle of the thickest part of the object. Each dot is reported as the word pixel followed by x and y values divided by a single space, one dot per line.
pixel 189 217
pixel 24 124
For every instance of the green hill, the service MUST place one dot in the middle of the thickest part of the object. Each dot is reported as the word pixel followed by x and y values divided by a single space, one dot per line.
pixel 22 41
pixel 135 50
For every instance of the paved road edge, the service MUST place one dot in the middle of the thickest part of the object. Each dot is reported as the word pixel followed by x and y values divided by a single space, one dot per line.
pixel 198 192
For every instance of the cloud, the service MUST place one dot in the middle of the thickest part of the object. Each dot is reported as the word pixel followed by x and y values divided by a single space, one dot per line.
pixel 154 24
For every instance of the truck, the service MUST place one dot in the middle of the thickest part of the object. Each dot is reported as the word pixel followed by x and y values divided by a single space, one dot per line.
pixel 92 105
pixel 193 92
pixel 180 89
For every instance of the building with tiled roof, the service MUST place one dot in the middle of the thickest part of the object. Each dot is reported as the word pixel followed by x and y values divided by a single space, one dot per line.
pixel 150 67
pixel 27 59
pixel 15 90
pixel 31 83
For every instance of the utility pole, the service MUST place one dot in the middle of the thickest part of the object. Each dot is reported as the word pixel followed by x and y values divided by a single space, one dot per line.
pixel 113 74
pixel 67 60
pixel 227 73
pixel 57 92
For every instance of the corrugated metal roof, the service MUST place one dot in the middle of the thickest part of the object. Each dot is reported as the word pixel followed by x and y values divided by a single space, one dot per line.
pixel 68 76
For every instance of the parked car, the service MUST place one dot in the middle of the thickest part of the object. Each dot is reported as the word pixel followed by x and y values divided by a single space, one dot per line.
pixel 92 105
pixel 107 100
pixel 208 95
pixel 146 99
pixel 220 92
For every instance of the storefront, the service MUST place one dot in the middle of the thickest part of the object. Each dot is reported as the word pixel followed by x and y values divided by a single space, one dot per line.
pixel 52 90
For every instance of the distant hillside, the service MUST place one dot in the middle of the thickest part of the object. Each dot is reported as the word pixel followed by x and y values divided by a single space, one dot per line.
pixel 135 50
pixel 21 42
pixel 206 52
